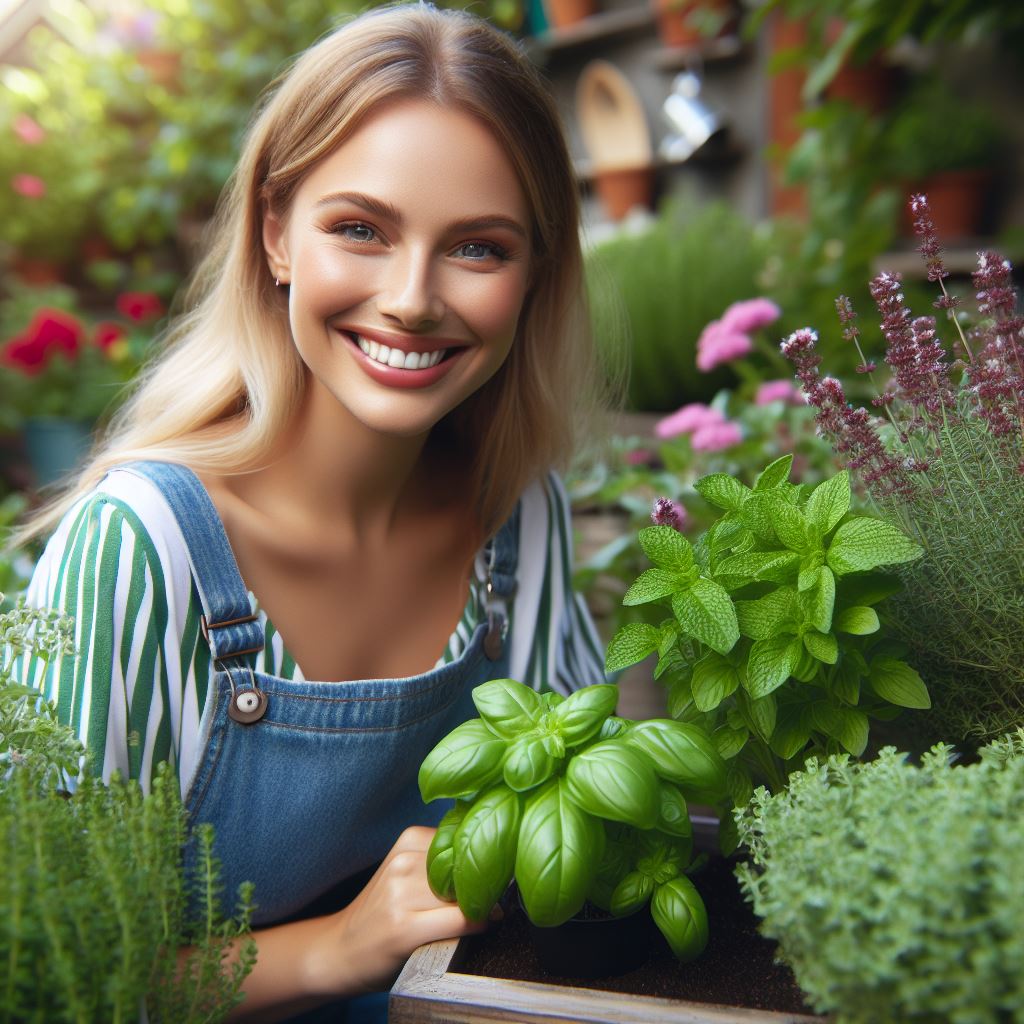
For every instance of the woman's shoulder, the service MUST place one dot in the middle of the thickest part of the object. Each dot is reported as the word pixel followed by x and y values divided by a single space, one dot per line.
pixel 122 514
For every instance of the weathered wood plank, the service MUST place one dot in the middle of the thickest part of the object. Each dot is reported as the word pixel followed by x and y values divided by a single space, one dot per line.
pixel 428 992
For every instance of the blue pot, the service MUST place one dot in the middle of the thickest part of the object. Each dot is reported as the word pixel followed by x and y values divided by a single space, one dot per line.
pixel 55 447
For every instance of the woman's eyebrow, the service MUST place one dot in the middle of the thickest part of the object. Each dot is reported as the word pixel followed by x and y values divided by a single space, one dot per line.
pixel 380 208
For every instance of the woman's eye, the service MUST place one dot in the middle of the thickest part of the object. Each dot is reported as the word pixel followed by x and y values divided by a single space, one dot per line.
pixel 480 251
pixel 355 232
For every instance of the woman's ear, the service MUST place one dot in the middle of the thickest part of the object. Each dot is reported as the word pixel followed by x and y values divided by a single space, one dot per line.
pixel 276 247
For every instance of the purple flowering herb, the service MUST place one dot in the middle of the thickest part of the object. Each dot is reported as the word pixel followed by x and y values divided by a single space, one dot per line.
pixel 930 249
pixel 997 376
pixel 666 513
pixel 851 431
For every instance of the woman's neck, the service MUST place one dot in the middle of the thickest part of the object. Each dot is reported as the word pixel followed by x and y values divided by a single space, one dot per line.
pixel 331 472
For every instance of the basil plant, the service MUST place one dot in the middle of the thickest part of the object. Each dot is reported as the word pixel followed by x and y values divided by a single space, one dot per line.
pixel 774 644
pixel 574 802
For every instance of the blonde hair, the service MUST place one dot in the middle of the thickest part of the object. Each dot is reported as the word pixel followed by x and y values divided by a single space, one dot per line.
pixel 229 379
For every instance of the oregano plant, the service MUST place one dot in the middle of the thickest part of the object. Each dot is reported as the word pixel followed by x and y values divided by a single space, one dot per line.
pixel 774 644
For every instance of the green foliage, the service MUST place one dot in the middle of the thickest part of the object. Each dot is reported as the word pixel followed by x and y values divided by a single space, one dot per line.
pixel 574 802
pixel 773 646
pixel 894 890
pixel 92 894
pixel 934 129
pixel 694 262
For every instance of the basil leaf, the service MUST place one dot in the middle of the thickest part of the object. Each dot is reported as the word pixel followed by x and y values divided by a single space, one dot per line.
pixel 560 847
pixel 792 731
pixel 610 780
pixel 680 752
pixel 467 760
pixel 760 713
pixel 859 620
pixel 527 764
pixel 485 850
pixel 729 741
pixel 679 913
pixel 654 584
pixel 769 615
pixel 819 600
pixel 774 474
pixel 581 714
pixel 507 708
pixel 822 646
pixel 441 855
pixel 631 893
pixel 673 816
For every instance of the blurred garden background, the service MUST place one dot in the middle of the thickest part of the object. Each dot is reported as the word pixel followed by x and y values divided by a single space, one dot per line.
pixel 774 145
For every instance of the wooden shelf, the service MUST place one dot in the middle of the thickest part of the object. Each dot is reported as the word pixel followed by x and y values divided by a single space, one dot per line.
pixel 714 51
pixel 591 30
pixel 960 259
pixel 726 151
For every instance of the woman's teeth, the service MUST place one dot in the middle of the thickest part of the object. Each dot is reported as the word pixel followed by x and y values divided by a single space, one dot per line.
pixel 397 358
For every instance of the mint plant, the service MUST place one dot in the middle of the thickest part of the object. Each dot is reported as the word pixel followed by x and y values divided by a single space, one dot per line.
pixel 894 889
pixel 773 645
pixel 576 803
pixel 945 464
pixel 93 894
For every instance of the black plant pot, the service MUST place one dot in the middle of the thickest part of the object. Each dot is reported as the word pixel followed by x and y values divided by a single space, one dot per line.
pixel 594 943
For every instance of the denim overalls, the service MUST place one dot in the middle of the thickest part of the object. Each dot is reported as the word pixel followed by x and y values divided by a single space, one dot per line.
pixel 308 783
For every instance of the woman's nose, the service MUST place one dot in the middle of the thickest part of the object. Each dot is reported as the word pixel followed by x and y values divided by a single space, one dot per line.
pixel 409 294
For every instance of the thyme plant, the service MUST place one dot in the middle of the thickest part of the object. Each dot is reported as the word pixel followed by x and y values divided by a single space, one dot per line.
pixel 894 889
pixel 946 465
pixel 93 895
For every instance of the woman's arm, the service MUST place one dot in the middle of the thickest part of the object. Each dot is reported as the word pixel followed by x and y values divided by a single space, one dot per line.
pixel 361 948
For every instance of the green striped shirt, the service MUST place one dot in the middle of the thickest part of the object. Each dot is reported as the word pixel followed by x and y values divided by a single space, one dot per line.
pixel 135 690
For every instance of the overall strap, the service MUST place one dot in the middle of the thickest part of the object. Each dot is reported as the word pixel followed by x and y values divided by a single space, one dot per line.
pixel 501 556
pixel 228 623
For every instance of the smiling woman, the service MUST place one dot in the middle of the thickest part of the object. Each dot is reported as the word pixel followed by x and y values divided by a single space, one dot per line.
pixel 329 510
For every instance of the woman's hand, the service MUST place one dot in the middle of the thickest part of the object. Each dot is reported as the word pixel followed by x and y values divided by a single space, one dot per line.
pixel 365 945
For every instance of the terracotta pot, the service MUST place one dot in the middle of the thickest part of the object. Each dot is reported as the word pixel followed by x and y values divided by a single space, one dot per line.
pixel 679 21
pixel 956 200
pixel 35 271
pixel 563 13
pixel 869 86
pixel 623 188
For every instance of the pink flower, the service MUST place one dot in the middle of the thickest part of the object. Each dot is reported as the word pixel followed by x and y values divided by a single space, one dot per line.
pixel 639 457
pixel 778 390
pixel 750 315
pixel 718 343
pixel 715 436
pixel 28 130
pixel 29 186
pixel 139 306
pixel 686 420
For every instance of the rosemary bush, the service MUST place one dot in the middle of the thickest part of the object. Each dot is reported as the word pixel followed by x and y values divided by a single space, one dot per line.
pixel 947 466
pixel 894 890
pixel 93 897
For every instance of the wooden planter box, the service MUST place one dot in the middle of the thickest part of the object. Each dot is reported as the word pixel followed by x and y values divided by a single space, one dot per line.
pixel 431 989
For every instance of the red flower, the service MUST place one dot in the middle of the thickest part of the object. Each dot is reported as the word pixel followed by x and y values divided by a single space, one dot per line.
pixel 107 333
pixel 139 306
pixel 51 330
pixel 30 186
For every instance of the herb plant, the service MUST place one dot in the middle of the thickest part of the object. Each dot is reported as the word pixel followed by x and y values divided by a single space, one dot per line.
pixel 773 644
pixel 92 893
pixel 575 802
pixel 946 466
pixel 894 890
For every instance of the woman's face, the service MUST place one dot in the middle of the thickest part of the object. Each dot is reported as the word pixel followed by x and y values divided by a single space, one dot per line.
pixel 407 253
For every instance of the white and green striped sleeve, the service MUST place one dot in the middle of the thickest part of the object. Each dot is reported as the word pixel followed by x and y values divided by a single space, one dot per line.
pixel 555 644
pixel 129 592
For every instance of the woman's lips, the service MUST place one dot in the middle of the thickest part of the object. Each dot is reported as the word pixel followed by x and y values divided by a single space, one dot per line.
pixel 400 377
